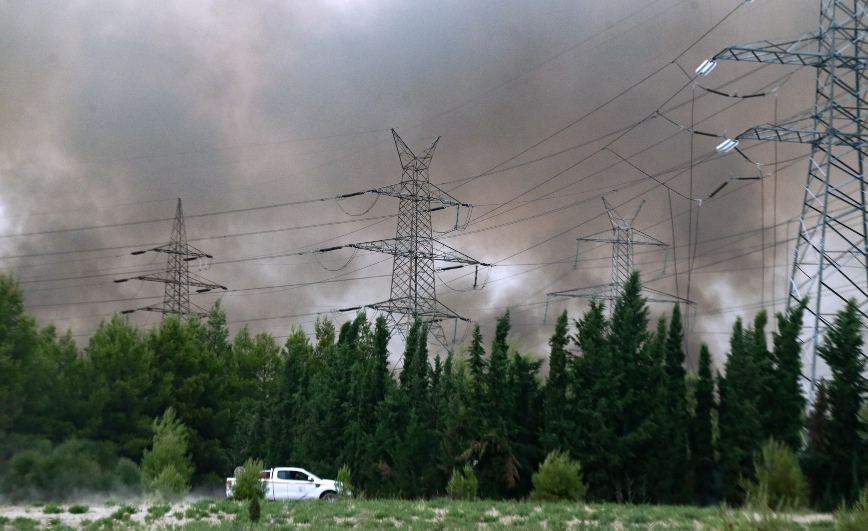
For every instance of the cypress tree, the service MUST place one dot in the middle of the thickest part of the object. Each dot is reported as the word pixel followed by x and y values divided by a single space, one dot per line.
pixel 816 460
pixel 477 366
pixel 596 388
pixel 498 474
pixel 498 366
pixel 660 452
pixel 326 412
pixel 637 413
pixel 702 448
pixel 370 385
pixel 766 373
pixel 739 420
pixel 848 452
pixel 786 418
pixel 525 420
pixel 676 404
pixel 558 425
pixel 286 408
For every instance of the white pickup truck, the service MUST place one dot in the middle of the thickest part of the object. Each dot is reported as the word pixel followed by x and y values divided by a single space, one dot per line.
pixel 286 483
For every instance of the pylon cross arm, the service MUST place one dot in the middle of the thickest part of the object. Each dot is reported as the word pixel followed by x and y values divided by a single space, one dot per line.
pixel 405 247
pixel 803 51
pixel 193 283
pixel 432 195
pixel 786 133
pixel 189 252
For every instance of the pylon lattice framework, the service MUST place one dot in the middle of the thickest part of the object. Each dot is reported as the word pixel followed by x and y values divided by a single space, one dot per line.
pixel 623 240
pixel 413 293
pixel 829 262
pixel 177 276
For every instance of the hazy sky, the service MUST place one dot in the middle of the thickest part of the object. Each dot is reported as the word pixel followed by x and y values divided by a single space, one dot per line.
pixel 111 110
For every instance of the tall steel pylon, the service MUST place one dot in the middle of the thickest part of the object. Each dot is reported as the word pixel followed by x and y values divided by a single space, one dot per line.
pixel 177 276
pixel 414 292
pixel 623 240
pixel 830 263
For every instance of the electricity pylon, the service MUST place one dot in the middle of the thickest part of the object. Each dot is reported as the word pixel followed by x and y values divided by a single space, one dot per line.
pixel 623 240
pixel 414 292
pixel 830 263
pixel 177 276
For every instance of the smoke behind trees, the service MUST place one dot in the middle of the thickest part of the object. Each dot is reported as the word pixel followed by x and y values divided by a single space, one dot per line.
pixel 109 112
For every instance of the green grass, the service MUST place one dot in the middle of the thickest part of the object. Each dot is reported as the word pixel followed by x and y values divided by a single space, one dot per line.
pixel 438 514
pixel 52 508
pixel 78 509
pixel 124 509
pixel 25 524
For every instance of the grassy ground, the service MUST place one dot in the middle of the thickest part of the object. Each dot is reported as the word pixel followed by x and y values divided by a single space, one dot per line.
pixel 438 514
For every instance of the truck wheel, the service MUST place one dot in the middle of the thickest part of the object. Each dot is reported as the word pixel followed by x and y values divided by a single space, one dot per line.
pixel 329 495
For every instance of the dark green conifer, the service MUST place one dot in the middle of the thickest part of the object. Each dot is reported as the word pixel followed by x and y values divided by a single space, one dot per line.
pixel 676 406
pixel 740 423
pixel 848 451
pixel 702 448
pixel 816 458
pixel 639 380
pixel 596 387
pixel 785 423
pixel 558 424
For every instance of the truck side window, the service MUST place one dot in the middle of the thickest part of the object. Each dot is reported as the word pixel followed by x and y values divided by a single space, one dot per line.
pixel 283 474
pixel 298 476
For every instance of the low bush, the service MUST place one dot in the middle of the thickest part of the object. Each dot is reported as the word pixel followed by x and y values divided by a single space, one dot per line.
pixel 780 483
pixel 247 484
pixel 78 509
pixel 558 478
pixel 159 510
pixel 69 470
pixel 25 524
pixel 463 485
pixel 52 508
pixel 124 510
pixel 344 482
pixel 856 517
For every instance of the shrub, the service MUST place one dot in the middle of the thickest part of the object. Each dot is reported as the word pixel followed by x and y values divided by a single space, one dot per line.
pixel 128 473
pixel 74 468
pixel 463 485
pixel 52 508
pixel 856 518
pixel 159 510
pixel 558 478
pixel 344 482
pixel 78 509
pixel 247 484
pixel 124 510
pixel 166 468
pixel 780 483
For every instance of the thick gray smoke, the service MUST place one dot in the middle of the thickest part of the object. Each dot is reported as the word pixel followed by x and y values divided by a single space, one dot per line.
pixel 111 111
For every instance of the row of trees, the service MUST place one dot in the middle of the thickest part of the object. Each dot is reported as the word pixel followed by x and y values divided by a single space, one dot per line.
pixel 617 399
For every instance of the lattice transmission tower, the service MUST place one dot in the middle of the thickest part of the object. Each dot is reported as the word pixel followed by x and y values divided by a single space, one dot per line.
pixel 623 239
pixel 416 252
pixel 830 263
pixel 177 276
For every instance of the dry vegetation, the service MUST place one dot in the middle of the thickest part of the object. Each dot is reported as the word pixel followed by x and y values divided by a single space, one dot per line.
pixel 440 514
